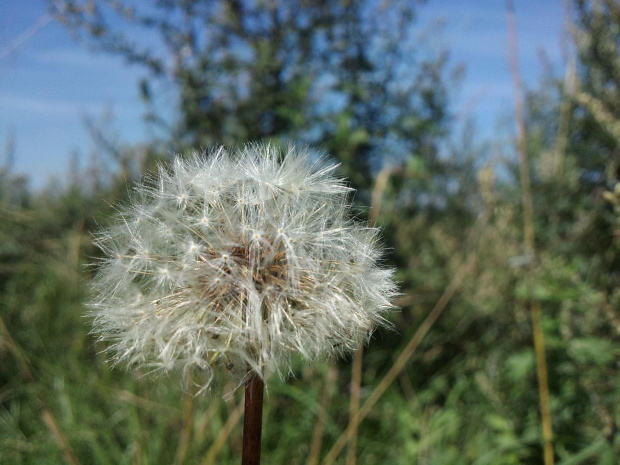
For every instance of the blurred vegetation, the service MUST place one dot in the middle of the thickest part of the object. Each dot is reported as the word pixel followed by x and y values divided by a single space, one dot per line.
pixel 359 81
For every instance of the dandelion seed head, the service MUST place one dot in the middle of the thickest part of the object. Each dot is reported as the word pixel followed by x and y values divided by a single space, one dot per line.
pixel 238 260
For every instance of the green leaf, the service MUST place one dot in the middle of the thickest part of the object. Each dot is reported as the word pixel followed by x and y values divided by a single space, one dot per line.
pixel 520 365
pixel 592 350
pixel 415 166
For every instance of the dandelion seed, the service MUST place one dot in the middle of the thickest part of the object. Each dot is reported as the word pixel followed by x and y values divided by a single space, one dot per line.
pixel 239 260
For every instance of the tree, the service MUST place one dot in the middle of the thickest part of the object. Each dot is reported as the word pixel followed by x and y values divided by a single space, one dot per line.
pixel 349 77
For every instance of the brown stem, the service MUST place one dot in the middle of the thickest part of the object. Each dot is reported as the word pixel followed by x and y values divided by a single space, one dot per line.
pixel 354 403
pixel 319 426
pixel 186 429
pixel 252 420
pixel 529 241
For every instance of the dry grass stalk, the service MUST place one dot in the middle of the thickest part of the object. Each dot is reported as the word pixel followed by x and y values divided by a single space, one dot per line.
pixel 529 242
pixel 399 364
pixel 356 369
pixel 317 436
pixel 222 438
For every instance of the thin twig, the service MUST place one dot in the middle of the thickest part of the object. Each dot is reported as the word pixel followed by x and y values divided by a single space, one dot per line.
pixel 358 355
pixel 524 164
pixel 221 439
pixel 377 193
pixel 529 241
pixel 354 403
pixel 563 124
pixel 201 422
pixel 319 426
pixel 140 402
pixel 74 245
pixel 186 429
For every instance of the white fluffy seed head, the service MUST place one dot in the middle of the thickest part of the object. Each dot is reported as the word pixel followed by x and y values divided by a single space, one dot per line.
pixel 224 261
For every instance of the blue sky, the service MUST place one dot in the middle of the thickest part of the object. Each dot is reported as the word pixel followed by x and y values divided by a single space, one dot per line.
pixel 48 83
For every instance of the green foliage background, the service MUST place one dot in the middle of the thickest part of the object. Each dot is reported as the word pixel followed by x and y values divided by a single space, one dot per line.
pixel 315 72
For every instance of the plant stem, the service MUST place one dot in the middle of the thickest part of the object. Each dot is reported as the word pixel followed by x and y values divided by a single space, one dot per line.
pixel 319 426
pixel 529 242
pixel 224 434
pixel 186 429
pixel 252 420
pixel 354 404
